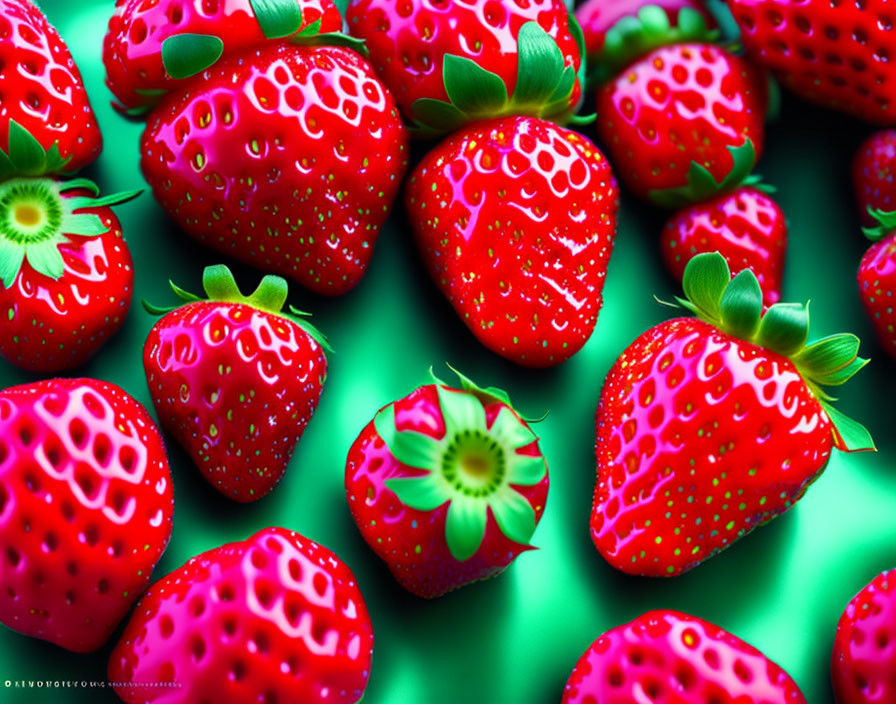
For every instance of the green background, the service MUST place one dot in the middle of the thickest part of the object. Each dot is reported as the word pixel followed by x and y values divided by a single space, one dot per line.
pixel 515 638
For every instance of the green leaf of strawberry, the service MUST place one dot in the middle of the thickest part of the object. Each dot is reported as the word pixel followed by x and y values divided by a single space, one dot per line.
pixel 277 18
pixel 185 55
pixel 36 216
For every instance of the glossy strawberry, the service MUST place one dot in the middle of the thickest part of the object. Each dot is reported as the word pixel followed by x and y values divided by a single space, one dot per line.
pixel 515 219
pixel 273 618
pixel 447 486
pixel 150 45
pixel 671 658
pixel 746 226
pixel 864 656
pixel 65 271
pixel 709 427
pixel 873 169
pixel 877 279
pixel 836 54
pixel 683 123
pixel 287 158
pixel 43 96
pixel 235 380
pixel 618 32
pixel 85 508
pixel 450 63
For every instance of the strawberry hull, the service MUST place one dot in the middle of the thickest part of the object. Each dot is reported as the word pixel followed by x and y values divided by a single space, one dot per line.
pixel 57 325
pixel 410 541
pixel 86 508
pixel 331 140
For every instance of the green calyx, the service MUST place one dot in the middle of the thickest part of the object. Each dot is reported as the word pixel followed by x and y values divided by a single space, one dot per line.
pixel 543 88
pixel 886 224
pixel 270 297
pixel 473 468
pixel 36 218
pixel 703 186
pixel 735 307
pixel 24 156
pixel 187 54
pixel 633 36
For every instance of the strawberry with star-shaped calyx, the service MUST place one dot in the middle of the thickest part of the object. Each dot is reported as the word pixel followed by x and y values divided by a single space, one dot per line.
pixel 447 485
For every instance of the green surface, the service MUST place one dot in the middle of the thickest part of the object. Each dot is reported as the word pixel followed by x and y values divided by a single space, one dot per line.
pixel 515 638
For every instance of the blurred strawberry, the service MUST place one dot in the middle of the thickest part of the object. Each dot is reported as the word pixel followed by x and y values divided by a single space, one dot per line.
pixel 864 656
pixel 672 658
pixel 45 115
pixel 273 618
pixel 746 226
pixel 873 169
pixel 85 508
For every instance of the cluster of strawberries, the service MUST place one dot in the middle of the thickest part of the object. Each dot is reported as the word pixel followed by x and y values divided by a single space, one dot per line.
pixel 274 138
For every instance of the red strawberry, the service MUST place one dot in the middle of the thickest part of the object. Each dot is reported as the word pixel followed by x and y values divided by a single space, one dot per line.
pixel 709 427
pixel 148 43
pixel 235 380
pixel 85 508
pixel 450 63
pixel 274 618
pixel 447 486
pixel 515 219
pixel 745 225
pixel 833 53
pixel 873 169
pixel 683 123
pixel 287 158
pixel 671 658
pixel 864 657
pixel 66 272
pixel 617 32
pixel 877 279
pixel 43 98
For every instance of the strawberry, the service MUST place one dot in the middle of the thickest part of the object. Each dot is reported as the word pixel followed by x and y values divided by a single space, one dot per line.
pixel 618 32
pixel 451 63
pixel 709 427
pixel 864 656
pixel 43 103
pixel 286 157
pixel 670 657
pixel 447 486
pixel 273 618
pixel 683 123
pixel 873 169
pixel 832 53
pixel 65 268
pixel 515 219
pixel 235 380
pixel 877 278
pixel 745 225
pixel 85 508
pixel 148 42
